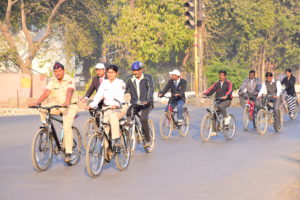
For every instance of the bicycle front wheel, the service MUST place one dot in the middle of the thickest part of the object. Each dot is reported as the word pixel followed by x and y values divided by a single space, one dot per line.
pixel 206 127
pixel 184 129
pixel 152 137
pixel 230 129
pixel 41 150
pixel 89 128
pixel 123 157
pixel 262 121
pixel 95 155
pixel 278 121
pixel 133 139
pixel 165 125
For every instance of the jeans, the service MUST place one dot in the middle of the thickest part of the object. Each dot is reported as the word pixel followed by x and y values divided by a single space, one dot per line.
pixel 179 103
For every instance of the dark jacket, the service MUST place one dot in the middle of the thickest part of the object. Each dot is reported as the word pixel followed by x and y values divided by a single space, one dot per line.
pixel 225 90
pixel 146 88
pixel 94 86
pixel 289 85
pixel 181 88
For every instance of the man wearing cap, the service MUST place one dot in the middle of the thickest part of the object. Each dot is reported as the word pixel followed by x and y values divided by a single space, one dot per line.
pixel 62 90
pixel 96 82
pixel 141 89
pixel 177 86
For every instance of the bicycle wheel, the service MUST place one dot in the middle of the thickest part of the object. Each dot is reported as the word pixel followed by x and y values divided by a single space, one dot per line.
pixel 246 119
pixel 166 125
pixel 123 157
pixel 77 147
pixel 133 139
pixel 184 129
pixel 262 121
pixel 206 127
pixel 278 122
pixel 41 150
pixel 89 128
pixel 95 155
pixel 152 137
pixel 230 129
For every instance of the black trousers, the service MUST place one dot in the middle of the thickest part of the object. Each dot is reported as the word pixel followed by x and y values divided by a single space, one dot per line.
pixel 145 111
pixel 222 105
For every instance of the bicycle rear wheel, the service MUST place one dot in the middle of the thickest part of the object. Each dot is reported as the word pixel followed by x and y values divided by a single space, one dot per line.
pixel 184 129
pixel 95 155
pixel 77 147
pixel 230 129
pixel 89 128
pixel 262 121
pixel 41 150
pixel 206 127
pixel 123 157
pixel 152 137
pixel 166 125
pixel 246 119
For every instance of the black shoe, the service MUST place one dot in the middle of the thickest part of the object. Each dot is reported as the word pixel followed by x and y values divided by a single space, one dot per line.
pixel 68 157
pixel 117 145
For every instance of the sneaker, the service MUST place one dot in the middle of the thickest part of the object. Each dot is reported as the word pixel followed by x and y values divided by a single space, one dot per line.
pixel 68 157
pixel 147 144
pixel 180 122
pixel 227 120
pixel 213 133
pixel 117 145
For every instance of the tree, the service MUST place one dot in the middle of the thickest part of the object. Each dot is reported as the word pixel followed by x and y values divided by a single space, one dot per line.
pixel 24 13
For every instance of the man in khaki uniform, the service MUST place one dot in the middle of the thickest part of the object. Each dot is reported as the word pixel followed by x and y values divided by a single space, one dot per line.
pixel 62 90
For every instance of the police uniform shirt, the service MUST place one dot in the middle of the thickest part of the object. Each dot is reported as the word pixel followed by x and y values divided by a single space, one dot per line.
pixel 109 91
pixel 59 89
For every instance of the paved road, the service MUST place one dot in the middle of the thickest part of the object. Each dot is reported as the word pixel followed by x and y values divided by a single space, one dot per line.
pixel 249 167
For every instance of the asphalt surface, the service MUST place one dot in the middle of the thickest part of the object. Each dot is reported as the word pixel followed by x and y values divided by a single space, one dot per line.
pixel 249 167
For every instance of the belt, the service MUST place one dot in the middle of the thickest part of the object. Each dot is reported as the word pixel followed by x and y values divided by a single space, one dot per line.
pixel 73 103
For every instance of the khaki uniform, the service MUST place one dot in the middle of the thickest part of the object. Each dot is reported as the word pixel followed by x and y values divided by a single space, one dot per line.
pixel 58 97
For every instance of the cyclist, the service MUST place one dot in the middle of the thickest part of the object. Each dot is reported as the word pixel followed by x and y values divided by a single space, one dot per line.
pixel 112 92
pixel 250 86
pixel 62 90
pixel 141 89
pixel 177 85
pixel 96 82
pixel 291 98
pixel 271 87
pixel 223 90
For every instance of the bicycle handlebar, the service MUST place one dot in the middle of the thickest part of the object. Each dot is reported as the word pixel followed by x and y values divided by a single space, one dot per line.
pixel 47 108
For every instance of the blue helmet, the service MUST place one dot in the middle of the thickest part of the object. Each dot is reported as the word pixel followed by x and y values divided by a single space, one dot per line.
pixel 136 65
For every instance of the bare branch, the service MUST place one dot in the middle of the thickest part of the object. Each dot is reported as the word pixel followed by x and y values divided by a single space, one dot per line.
pixel 24 25
pixel 8 11
pixel 49 22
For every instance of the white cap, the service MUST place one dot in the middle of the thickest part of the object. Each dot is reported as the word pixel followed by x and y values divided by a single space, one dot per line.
pixel 100 66
pixel 175 72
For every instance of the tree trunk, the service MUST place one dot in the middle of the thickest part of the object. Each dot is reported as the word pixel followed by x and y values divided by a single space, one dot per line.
pixel 132 3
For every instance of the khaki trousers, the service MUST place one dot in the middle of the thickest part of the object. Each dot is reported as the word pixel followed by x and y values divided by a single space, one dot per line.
pixel 113 117
pixel 68 118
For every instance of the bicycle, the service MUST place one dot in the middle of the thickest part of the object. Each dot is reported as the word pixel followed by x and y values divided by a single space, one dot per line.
pixel 213 121
pixel 90 126
pixel 136 129
pixel 169 122
pixel 267 115
pixel 249 111
pixel 45 142
pixel 100 147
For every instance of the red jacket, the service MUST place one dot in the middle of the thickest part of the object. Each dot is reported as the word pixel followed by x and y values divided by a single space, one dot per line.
pixel 221 91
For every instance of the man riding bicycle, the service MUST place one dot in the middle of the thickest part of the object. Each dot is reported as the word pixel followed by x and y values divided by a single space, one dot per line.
pixel 177 85
pixel 141 89
pixel 250 86
pixel 62 90
pixel 112 92
pixel 223 90
pixel 271 87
